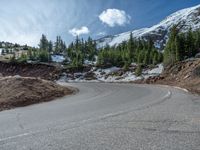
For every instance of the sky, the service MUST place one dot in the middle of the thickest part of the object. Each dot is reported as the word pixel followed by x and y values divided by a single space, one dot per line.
pixel 24 21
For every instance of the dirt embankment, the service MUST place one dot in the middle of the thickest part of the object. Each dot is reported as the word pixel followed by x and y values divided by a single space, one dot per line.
pixel 185 74
pixel 43 71
pixel 18 91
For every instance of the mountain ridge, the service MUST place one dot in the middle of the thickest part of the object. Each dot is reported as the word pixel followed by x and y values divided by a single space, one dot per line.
pixel 185 19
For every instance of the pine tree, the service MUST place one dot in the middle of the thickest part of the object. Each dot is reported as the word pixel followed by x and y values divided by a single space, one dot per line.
pixel 178 48
pixel 43 43
pixel 150 44
pixel 50 47
pixel 170 49
pixel 138 71
pixel 140 57
pixel 130 47
pixel 155 57
pixel 146 58
pixel 197 41
pixel 190 44
pixel 60 46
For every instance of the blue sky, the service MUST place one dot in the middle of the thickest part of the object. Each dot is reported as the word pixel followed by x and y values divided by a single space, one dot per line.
pixel 23 21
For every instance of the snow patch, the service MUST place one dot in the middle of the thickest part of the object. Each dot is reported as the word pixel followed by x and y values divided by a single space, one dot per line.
pixel 113 74
pixel 1 51
pixel 157 70
pixel 57 58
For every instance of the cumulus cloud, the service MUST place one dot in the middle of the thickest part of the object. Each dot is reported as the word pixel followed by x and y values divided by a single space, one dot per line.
pixel 79 31
pixel 114 17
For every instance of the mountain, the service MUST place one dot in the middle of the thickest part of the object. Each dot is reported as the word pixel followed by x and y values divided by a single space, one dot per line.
pixel 184 19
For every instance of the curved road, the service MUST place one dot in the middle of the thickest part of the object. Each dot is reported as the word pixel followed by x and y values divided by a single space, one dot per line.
pixel 106 116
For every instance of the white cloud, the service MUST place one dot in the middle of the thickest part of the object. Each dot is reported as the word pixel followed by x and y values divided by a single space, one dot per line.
pixel 114 17
pixel 80 31
pixel 101 34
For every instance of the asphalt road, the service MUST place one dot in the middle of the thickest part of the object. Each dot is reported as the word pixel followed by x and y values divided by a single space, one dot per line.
pixel 106 116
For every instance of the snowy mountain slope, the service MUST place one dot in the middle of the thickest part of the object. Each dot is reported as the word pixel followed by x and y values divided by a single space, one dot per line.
pixel 185 19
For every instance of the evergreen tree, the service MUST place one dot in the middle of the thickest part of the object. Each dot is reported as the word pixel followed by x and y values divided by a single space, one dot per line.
pixel 138 71
pixel 140 57
pixel 170 49
pixel 155 58
pixel 146 60
pixel 190 41
pixel 178 48
pixel 44 43
pixel 43 56
pixel 197 40
pixel 50 47
pixel 131 47
pixel 181 45
pixel 60 46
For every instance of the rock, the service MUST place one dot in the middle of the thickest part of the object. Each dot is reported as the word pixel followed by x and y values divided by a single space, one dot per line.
pixel 197 55
pixel 90 76
pixel 17 76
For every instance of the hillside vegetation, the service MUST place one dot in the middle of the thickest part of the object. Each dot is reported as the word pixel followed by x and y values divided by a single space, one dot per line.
pixel 181 46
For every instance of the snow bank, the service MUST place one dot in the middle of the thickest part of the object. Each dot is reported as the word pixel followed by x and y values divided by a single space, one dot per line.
pixel 57 58
pixel 1 51
pixel 113 74
pixel 153 72
pixel 87 62
pixel 110 70
pixel 157 70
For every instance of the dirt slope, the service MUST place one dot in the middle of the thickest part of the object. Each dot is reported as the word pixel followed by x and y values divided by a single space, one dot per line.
pixel 43 71
pixel 184 74
pixel 18 91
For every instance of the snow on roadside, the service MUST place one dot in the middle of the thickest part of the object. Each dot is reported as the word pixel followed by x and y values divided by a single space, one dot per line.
pixel 113 74
pixel 157 70
pixel 130 76
pixel 1 51
pixel 108 70
pixel 87 62
pixel 104 75
pixel 57 58
pixel 153 72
